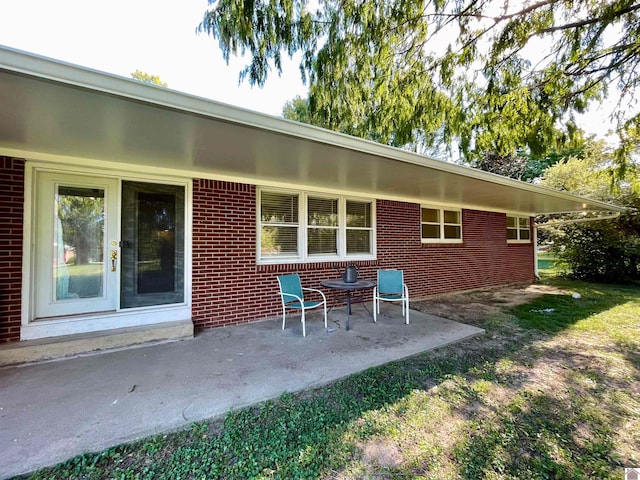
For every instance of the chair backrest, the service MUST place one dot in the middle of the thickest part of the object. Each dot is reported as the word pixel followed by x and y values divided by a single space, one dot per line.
pixel 290 284
pixel 390 281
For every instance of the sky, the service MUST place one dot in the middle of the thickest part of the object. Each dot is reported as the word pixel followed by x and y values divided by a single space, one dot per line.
pixel 155 36
pixel 158 37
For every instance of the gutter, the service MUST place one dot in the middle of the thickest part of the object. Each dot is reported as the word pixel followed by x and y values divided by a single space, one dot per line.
pixel 555 223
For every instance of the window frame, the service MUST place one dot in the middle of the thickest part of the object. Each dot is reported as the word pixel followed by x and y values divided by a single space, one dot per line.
pixel 298 226
pixel 441 224
pixel 303 255
pixel 308 227
pixel 371 229
pixel 517 228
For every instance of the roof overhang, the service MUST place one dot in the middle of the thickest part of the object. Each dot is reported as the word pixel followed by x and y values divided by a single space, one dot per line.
pixel 54 109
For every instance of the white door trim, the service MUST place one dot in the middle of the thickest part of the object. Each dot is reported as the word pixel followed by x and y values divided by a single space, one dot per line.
pixel 46 305
pixel 75 324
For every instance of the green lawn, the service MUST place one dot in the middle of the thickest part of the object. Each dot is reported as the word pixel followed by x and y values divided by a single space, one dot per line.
pixel 546 261
pixel 551 391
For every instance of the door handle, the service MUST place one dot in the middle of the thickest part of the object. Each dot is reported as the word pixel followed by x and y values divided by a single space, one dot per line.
pixel 114 259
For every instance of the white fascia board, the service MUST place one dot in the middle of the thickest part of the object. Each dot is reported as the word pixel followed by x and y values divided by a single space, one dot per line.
pixel 67 73
pixel 89 166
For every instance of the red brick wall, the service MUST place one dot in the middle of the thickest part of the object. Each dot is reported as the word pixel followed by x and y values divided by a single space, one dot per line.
pixel 11 217
pixel 229 288
pixel 483 259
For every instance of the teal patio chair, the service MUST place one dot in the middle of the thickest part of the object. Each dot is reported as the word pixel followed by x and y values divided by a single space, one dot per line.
pixel 291 293
pixel 390 287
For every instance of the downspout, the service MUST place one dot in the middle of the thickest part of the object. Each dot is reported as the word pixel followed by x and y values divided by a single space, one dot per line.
pixel 536 271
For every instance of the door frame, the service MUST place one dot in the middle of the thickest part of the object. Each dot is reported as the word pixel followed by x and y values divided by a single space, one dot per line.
pixel 33 328
pixel 46 306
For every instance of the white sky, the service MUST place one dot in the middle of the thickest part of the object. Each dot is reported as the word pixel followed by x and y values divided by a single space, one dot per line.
pixel 157 37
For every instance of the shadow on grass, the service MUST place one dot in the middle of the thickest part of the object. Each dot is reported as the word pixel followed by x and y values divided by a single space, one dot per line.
pixel 564 429
pixel 554 313
pixel 535 433
pixel 535 437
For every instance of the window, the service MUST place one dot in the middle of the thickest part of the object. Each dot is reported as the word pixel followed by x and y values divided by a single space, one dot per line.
pixel 299 227
pixel 279 213
pixel 441 225
pixel 322 226
pixel 518 229
pixel 359 227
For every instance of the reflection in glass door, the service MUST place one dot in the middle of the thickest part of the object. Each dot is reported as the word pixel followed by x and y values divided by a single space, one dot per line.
pixel 79 238
pixel 152 246
pixel 76 231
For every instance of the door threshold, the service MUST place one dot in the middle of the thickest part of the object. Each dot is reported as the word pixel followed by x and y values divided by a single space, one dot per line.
pixel 75 316
pixel 106 322
pixel 68 346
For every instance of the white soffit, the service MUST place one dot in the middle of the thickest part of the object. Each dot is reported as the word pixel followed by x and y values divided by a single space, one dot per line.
pixel 53 108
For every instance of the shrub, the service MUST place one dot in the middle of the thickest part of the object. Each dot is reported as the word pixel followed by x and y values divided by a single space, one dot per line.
pixel 604 251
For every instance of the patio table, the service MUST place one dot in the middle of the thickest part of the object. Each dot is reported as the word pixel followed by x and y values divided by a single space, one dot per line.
pixel 339 284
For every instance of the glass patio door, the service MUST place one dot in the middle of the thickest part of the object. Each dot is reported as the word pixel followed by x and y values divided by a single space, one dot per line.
pixel 76 245
pixel 152 244
pixel 102 245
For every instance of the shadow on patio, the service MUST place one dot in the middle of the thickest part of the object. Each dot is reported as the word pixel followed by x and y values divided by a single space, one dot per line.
pixel 53 411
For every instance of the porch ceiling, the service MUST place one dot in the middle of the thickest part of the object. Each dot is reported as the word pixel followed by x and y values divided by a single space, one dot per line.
pixel 52 108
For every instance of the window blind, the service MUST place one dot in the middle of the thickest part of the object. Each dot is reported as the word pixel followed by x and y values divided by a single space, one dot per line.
pixel 322 218
pixel 279 230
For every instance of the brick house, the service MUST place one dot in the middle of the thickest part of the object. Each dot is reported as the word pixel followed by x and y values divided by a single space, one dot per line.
pixel 126 205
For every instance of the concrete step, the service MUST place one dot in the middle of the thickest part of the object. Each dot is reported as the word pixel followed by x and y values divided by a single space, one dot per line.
pixel 29 351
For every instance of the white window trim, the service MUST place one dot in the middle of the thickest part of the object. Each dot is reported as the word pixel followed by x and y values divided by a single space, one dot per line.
pixel 303 243
pixel 517 229
pixel 300 225
pixel 303 256
pixel 343 228
pixel 442 225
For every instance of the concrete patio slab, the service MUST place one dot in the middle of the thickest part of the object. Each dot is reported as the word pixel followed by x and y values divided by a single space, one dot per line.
pixel 50 412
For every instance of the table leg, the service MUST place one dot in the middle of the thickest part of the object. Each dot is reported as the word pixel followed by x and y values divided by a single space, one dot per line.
pixel 348 307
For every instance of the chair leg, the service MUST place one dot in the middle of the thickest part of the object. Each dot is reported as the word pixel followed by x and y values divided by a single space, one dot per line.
pixel 406 300
pixel 325 315
pixel 406 294
pixel 304 331
pixel 375 310
pixel 283 315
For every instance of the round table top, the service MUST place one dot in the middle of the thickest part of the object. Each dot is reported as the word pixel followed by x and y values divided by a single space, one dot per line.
pixel 340 284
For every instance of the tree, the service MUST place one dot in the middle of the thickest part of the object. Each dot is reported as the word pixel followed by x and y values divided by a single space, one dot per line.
pixel 82 226
pixel 489 76
pixel 586 175
pixel 528 167
pixel 603 250
pixel 148 78
pixel 303 110
pixel 523 166
pixel 298 109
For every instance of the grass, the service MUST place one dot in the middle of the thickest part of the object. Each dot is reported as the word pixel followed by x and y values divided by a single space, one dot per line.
pixel 546 261
pixel 551 391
